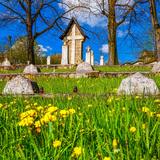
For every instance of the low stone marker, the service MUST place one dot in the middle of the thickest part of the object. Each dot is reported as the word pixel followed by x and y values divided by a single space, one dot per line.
pixel 84 68
pixel 31 69
pixel 6 63
pixel 156 68
pixel 21 85
pixel 138 84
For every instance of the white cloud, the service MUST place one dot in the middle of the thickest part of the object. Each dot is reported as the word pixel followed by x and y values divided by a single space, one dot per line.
pixel 105 48
pixel 49 48
pixel 44 49
pixel 121 34
pixel 91 12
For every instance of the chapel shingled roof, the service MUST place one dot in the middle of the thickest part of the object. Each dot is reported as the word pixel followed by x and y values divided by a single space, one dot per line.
pixel 73 20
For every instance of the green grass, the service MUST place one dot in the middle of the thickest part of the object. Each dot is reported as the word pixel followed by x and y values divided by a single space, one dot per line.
pixel 98 120
pixel 85 85
pixel 100 68
pixel 93 127
pixel 123 68
pixel 43 70
pixel 66 85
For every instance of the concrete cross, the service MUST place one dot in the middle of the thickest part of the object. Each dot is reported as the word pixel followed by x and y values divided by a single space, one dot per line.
pixel 73 38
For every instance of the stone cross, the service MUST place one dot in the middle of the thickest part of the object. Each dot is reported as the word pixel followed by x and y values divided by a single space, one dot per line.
pixel 73 39
pixel 49 60
pixel 101 60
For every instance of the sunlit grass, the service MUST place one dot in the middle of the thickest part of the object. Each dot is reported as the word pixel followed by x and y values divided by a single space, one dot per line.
pixel 100 127
pixel 97 68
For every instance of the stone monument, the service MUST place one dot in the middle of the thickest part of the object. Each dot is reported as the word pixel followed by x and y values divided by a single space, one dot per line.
pixel 21 85
pixel 49 60
pixel 92 58
pixel 156 67
pixel 84 68
pixel 73 39
pixel 102 61
pixel 31 69
pixel 6 63
pixel 89 56
pixel 138 84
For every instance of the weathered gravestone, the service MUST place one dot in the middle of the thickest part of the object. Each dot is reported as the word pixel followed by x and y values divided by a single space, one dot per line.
pixel 31 69
pixel 6 63
pixel 138 84
pixel 156 68
pixel 84 68
pixel 102 61
pixel 49 60
pixel 89 56
pixel 21 85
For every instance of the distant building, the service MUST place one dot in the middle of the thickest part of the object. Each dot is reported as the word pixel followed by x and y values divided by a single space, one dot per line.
pixel 147 57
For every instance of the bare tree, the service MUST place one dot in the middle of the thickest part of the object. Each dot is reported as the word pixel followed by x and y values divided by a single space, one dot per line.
pixel 117 13
pixel 156 27
pixel 38 17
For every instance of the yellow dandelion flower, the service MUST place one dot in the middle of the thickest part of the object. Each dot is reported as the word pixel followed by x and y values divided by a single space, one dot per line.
pixel 35 104
pixel 69 98
pixel 115 90
pixel 158 115
pixel 123 109
pixel 1 105
pixel 132 129
pixel 144 126
pixel 110 99
pixel 48 118
pixel 64 113
pixel 37 124
pixel 39 108
pixel 145 109
pixel 89 105
pixel 72 111
pixel 57 143
pixel 151 114
pixel 157 100
pixel 52 109
pixel 107 158
pixel 115 143
pixel 27 106
pixel 53 118
pixel 28 121
pixel 77 151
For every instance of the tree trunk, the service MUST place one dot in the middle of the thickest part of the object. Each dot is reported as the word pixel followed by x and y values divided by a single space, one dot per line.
pixel 157 37
pixel 30 50
pixel 156 28
pixel 30 47
pixel 112 29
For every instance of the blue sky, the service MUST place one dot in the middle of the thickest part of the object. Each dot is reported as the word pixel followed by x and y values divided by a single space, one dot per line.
pixel 128 46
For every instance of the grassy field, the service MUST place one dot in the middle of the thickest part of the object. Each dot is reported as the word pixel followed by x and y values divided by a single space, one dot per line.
pixel 85 85
pixel 95 126
pixel 100 68
pixel 80 128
